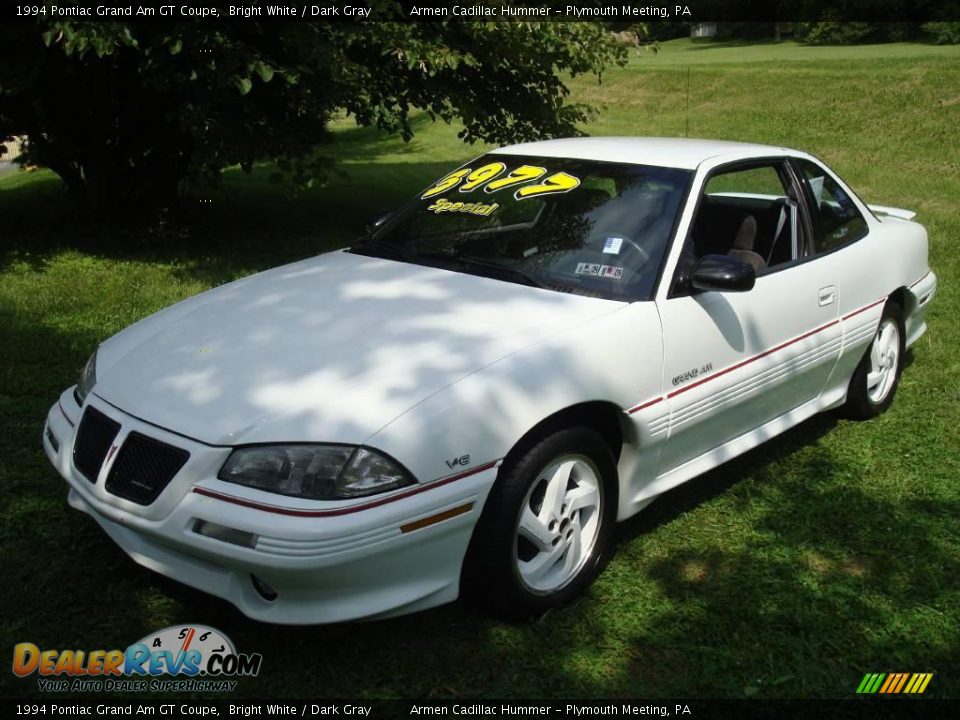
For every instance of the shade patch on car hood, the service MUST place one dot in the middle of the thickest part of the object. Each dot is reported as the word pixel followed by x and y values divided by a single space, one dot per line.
pixel 327 349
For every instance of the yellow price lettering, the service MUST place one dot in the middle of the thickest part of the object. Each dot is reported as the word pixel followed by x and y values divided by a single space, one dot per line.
pixel 524 173
pixel 446 183
pixel 481 175
pixel 560 182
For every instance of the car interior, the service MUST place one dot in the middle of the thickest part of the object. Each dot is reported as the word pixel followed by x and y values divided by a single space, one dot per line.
pixel 748 214
pixel 755 230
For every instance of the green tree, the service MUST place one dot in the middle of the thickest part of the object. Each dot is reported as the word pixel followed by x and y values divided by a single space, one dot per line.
pixel 943 33
pixel 124 112
pixel 831 32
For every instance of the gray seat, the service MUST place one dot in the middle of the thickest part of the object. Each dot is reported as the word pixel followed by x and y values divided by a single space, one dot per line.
pixel 743 243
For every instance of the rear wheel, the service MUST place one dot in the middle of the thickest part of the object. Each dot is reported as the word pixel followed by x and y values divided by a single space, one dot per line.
pixel 874 382
pixel 546 529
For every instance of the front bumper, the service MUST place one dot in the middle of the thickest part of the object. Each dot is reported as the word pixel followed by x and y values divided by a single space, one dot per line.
pixel 374 562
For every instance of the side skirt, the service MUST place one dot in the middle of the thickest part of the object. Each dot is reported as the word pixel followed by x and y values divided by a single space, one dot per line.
pixel 731 449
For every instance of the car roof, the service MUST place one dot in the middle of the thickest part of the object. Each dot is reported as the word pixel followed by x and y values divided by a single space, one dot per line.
pixel 663 152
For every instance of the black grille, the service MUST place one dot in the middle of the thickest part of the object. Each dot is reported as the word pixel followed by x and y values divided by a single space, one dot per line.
pixel 143 468
pixel 94 437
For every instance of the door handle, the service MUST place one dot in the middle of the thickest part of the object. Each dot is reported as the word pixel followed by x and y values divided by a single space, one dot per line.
pixel 827 295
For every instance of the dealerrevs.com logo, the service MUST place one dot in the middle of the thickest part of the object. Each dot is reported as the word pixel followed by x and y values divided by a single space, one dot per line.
pixel 188 658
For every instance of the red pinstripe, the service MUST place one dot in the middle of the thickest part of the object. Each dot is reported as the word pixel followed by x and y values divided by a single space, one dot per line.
pixel 749 360
pixel 296 512
pixel 647 404
pixel 486 466
pixel 864 309
pixel 737 366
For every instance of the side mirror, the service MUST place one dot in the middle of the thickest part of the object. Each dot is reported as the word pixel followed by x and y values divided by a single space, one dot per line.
pixel 722 272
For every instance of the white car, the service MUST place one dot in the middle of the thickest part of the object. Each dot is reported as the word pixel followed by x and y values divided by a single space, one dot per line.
pixel 534 348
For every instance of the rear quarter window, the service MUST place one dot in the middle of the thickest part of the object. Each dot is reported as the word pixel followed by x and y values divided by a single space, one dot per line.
pixel 834 211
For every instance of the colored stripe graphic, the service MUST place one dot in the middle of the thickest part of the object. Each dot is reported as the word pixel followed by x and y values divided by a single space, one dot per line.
pixel 918 683
pixel 870 683
pixel 903 679
pixel 894 683
pixel 892 679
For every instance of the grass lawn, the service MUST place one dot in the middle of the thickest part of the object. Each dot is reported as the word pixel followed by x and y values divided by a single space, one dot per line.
pixel 832 551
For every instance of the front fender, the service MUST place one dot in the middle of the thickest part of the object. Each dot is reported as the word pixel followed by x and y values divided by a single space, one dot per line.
pixel 616 358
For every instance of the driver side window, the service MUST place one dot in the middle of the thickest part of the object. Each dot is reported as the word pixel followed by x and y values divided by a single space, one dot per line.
pixel 748 213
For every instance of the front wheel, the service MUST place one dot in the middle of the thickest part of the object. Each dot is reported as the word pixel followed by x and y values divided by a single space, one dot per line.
pixel 547 527
pixel 875 381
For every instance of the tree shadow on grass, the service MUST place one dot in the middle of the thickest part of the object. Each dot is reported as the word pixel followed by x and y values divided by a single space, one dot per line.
pixel 252 225
pixel 831 581
pixel 703 488
pixel 370 143
pixel 778 574
pixel 794 581
pixel 828 581
pixel 811 608
pixel 713 44
pixel 791 582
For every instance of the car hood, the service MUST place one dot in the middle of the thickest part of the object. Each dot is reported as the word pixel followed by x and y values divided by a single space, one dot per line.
pixel 329 349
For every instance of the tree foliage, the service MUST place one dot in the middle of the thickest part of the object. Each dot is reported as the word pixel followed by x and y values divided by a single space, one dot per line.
pixel 124 112
pixel 943 33
pixel 834 32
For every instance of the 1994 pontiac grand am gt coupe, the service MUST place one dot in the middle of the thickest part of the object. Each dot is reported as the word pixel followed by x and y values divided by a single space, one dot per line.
pixel 535 347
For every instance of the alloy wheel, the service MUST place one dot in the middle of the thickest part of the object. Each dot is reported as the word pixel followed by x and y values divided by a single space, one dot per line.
pixel 559 524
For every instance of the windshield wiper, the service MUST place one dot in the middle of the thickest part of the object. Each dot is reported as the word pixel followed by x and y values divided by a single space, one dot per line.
pixel 504 271
pixel 488 268
pixel 379 248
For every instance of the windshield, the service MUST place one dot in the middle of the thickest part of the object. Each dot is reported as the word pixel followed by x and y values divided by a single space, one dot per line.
pixel 581 226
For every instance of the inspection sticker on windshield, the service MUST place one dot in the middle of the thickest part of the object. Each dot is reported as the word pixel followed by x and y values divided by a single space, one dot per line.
pixel 612 245
pixel 614 272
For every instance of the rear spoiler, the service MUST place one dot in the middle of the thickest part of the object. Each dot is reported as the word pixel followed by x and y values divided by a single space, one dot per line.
pixel 892 212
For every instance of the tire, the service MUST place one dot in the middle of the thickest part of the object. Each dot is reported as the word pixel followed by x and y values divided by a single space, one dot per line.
pixel 519 570
pixel 874 382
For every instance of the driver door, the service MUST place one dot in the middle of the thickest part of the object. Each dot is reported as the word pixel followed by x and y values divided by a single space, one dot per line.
pixel 739 365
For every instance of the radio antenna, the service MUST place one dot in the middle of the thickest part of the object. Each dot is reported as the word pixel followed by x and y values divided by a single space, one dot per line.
pixel 686 122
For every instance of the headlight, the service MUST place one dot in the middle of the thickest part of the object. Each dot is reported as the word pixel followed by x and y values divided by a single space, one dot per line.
pixel 88 378
pixel 315 472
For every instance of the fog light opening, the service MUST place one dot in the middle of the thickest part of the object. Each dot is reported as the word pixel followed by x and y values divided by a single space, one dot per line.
pixel 263 589
pixel 52 439
pixel 225 534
